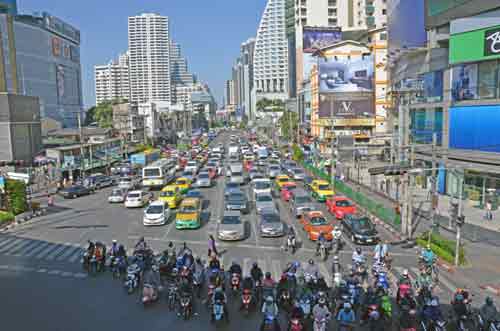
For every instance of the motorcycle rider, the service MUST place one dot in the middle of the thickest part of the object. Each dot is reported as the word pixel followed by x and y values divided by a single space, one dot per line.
pixel 321 241
pixel 256 273
pixel 380 251
pixel 321 285
pixel 235 268
pixel 113 251
pixel 268 286
pixel 220 296
pixel 346 317
pixel 404 285
pixel 121 252
pixel 432 312
pixel 358 257
pixel 320 311
pixel 459 303
pixel 141 245
pixel 151 276
pixel 214 263
pixel 270 308
pixel 311 269
pixel 428 256
pixel 488 313
pixel 290 239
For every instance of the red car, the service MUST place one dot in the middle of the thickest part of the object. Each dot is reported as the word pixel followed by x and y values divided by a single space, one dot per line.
pixel 287 190
pixel 340 206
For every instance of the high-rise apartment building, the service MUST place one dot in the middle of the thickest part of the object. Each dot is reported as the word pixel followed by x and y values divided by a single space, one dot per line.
pixel 112 80
pixel 229 92
pixel 270 74
pixel 149 47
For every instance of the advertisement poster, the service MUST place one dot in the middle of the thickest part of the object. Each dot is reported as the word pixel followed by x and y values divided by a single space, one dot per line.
pixel 362 108
pixel 433 86
pixel 308 62
pixel 344 75
pixel 316 38
pixel 464 82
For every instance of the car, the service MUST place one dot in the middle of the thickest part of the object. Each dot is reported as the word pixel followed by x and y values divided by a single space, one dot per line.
pixel 74 191
pixel 273 170
pixel 287 190
pixel 231 227
pixel 183 183
pixel 280 180
pixel 296 174
pixel 189 214
pixel 203 180
pixel 189 174
pixel 230 187
pixel 192 166
pixel 340 206
pixel 287 165
pixel 300 203
pixel 157 213
pixel 321 190
pixel 260 185
pixel 270 224
pixel 314 222
pixel 236 200
pixel 117 195
pixel 128 183
pixel 171 194
pixel 360 229
pixel 249 156
pixel 237 174
pixel 253 173
pixel 136 199
pixel 264 201
pixel 98 181
pixel 194 194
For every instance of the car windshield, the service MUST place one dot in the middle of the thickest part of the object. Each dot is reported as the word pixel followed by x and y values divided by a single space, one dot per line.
pixel 194 194
pixel 302 199
pixel 236 197
pixel 203 176
pixel 116 193
pixel 262 185
pixel 274 168
pixel 187 173
pixel 154 172
pixel 232 185
pixel 154 209
pixel 323 187
pixel 343 203
pixel 181 182
pixel 167 193
pixel 188 209
pixel 191 164
pixel 271 218
pixel 318 220
pixel 362 224
pixel 125 180
pixel 264 198
pixel 236 174
pixel 133 195
pixel 290 187
pixel 298 171
pixel 231 220
pixel 282 180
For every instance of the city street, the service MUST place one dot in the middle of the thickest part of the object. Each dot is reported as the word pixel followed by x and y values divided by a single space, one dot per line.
pixel 43 258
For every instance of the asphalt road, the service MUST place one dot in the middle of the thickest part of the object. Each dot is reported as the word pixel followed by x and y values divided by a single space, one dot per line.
pixel 47 290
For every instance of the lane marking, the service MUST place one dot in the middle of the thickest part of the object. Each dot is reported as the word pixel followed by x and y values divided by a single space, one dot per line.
pixel 11 244
pixel 7 240
pixel 247 266
pixel 26 243
pixel 37 249
pixel 76 255
pixel 324 271
pixel 58 251
pixel 67 253
pixel 26 249
pixel 46 251
pixel 276 269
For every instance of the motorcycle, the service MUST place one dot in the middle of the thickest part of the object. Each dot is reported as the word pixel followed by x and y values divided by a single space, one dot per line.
pixel 218 311
pixel 381 279
pixel 269 322
pixel 149 294
pixel 360 271
pixel 246 300
pixel 324 249
pixel 296 325
pixel 285 300
pixel 439 325
pixel 132 281
pixel 494 325
pixel 118 267
pixel 197 283
pixel 291 243
pixel 235 283
pixel 337 279
pixel 429 268
pixel 210 293
pixel 172 296
pixel 186 307
pixel 305 305
pixel 319 324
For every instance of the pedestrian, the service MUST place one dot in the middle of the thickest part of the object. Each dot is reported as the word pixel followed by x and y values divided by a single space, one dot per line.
pixel 211 246
pixel 382 185
pixel 489 214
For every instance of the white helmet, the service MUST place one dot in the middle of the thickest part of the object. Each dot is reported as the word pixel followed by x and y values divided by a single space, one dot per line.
pixel 114 241
pixel 405 273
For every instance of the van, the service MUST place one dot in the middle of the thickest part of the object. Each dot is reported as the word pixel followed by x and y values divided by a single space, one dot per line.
pixel 136 199
pixel 236 173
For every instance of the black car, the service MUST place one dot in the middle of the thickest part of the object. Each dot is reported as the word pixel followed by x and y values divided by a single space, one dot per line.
pixel 360 229
pixel 74 191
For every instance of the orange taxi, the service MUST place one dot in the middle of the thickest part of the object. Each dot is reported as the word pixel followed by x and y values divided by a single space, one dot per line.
pixel 315 222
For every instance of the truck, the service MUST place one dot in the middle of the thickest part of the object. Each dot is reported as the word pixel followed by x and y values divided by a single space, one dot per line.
pixel 144 158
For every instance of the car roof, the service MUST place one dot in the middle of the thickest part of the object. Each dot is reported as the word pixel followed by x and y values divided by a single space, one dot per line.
pixel 135 192
pixel 190 201
pixel 320 181
pixel 315 213
pixel 158 203
pixel 169 188
pixel 300 192
pixel 264 193
pixel 232 213
pixel 258 180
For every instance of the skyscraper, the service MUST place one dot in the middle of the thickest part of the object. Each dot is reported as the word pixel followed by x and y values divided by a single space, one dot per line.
pixel 271 53
pixel 149 47
pixel 112 80
pixel 178 67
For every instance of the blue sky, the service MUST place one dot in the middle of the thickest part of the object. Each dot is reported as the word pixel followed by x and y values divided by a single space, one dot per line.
pixel 210 32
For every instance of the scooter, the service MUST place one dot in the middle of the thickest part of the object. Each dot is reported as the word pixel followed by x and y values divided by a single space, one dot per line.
pixel 285 300
pixel 296 325
pixel 494 325
pixel 291 244
pixel 186 307
pixel 305 305
pixel 246 301
pixel 172 296
pixel 269 322
pixel 149 294
pixel 197 283
pixel 319 324
pixel 218 311
pixel 132 281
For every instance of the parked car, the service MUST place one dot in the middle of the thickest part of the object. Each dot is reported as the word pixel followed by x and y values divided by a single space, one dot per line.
pixel 98 181
pixel 360 229
pixel 340 206
pixel 264 201
pixel 117 195
pixel 300 203
pixel 270 224
pixel 136 199
pixel 231 226
pixel 157 213
pixel 314 223
pixel 74 191
pixel 236 200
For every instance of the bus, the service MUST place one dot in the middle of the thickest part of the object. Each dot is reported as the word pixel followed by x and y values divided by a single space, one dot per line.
pixel 159 173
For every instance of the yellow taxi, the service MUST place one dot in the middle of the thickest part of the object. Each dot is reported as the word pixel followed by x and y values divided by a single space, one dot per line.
pixel 188 215
pixel 183 183
pixel 280 181
pixel 171 194
pixel 321 190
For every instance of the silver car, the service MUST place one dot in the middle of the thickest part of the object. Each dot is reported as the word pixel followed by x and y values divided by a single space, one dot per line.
pixel 203 180
pixel 264 201
pixel 117 195
pixel 300 203
pixel 231 227
pixel 270 224
pixel 297 174
pixel 273 170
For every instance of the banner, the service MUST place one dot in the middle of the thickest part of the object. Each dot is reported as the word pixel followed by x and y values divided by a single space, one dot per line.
pixel 317 38
pixel 346 75
pixel 464 82
pixel 345 108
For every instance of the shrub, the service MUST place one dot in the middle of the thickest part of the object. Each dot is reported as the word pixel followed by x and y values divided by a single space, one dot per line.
pixel 442 247
pixel 6 216
pixel 16 193
pixel 298 154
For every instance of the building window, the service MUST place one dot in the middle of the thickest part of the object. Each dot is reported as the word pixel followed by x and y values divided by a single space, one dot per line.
pixel 332 22
pixel 383 36
pixel 487 79
pixel 384 11
pixel 332 3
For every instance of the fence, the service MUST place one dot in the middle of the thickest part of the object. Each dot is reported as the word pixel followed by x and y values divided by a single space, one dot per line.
pixel 387 215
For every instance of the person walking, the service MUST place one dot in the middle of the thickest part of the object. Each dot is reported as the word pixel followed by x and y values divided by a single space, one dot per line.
pixel 489 214
pixel 211 246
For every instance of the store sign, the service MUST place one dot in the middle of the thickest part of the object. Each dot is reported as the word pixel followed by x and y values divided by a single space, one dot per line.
pixel 492 42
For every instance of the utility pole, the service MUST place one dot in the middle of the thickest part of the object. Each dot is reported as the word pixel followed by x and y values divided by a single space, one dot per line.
pixel 82 141
pixel 411 183
pixel 434 196
pixel 460 220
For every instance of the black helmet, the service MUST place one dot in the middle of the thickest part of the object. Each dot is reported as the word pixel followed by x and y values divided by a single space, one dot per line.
pixel 268 274
pixel 311 261
pixel 255 265
pixel 489 301
pixel 141 239
pixel 198 260
pixel 358 250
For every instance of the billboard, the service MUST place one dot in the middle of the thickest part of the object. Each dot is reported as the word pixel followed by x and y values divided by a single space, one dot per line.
pixel 56 25
pixel 316 38
pixel 8 6
pixel 464 82
pixel 344 108
pixel 68 85
pixel 476 45
pixel 346 75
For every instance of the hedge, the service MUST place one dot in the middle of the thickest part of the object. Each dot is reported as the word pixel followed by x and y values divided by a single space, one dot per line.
pixel 16 193
pixel 442 247
pixel 6 216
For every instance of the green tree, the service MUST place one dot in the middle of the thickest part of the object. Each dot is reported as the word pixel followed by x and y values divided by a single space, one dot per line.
pixel 288 123
pixel 262 104
pixel 16 193
pixel 103 113
pixel 90 116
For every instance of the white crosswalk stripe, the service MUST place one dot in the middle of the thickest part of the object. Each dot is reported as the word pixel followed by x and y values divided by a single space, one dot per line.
pixel 6 240
pixel 11 244
pixel 26 249
pixel 276 269
pixel 17 248
pixel 71 250
pixel 46 251
pixel 324 271
pixel 37 249
pixel 57 251
pixel 247 266
pixel 76 256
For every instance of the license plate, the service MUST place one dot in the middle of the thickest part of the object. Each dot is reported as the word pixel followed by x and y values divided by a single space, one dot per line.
pixel 369 240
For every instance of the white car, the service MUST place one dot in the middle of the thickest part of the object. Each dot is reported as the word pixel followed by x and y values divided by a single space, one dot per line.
pixel 261 186
pixel 157 213
pixel 117 195
pixel 192 166
pixel 136 199
pixel 127 183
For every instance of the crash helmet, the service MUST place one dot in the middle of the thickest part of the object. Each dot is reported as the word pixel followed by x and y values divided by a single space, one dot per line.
pixel 197 259
pixel 358 250
pixel 269 299
pixel 335 259
pixel 154 267
pixel 322 301
pixel 114 241
pixel 255 265
pixel 489 301
pixel 311 262
pixel 428 247
pixel 434 302
pixel 141 239
pixel 374 314
pixel 405 273
pixel 268 275
pixel 347 305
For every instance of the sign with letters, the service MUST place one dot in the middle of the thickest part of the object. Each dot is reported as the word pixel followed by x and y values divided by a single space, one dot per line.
pixel 474 46
pixel 492 42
